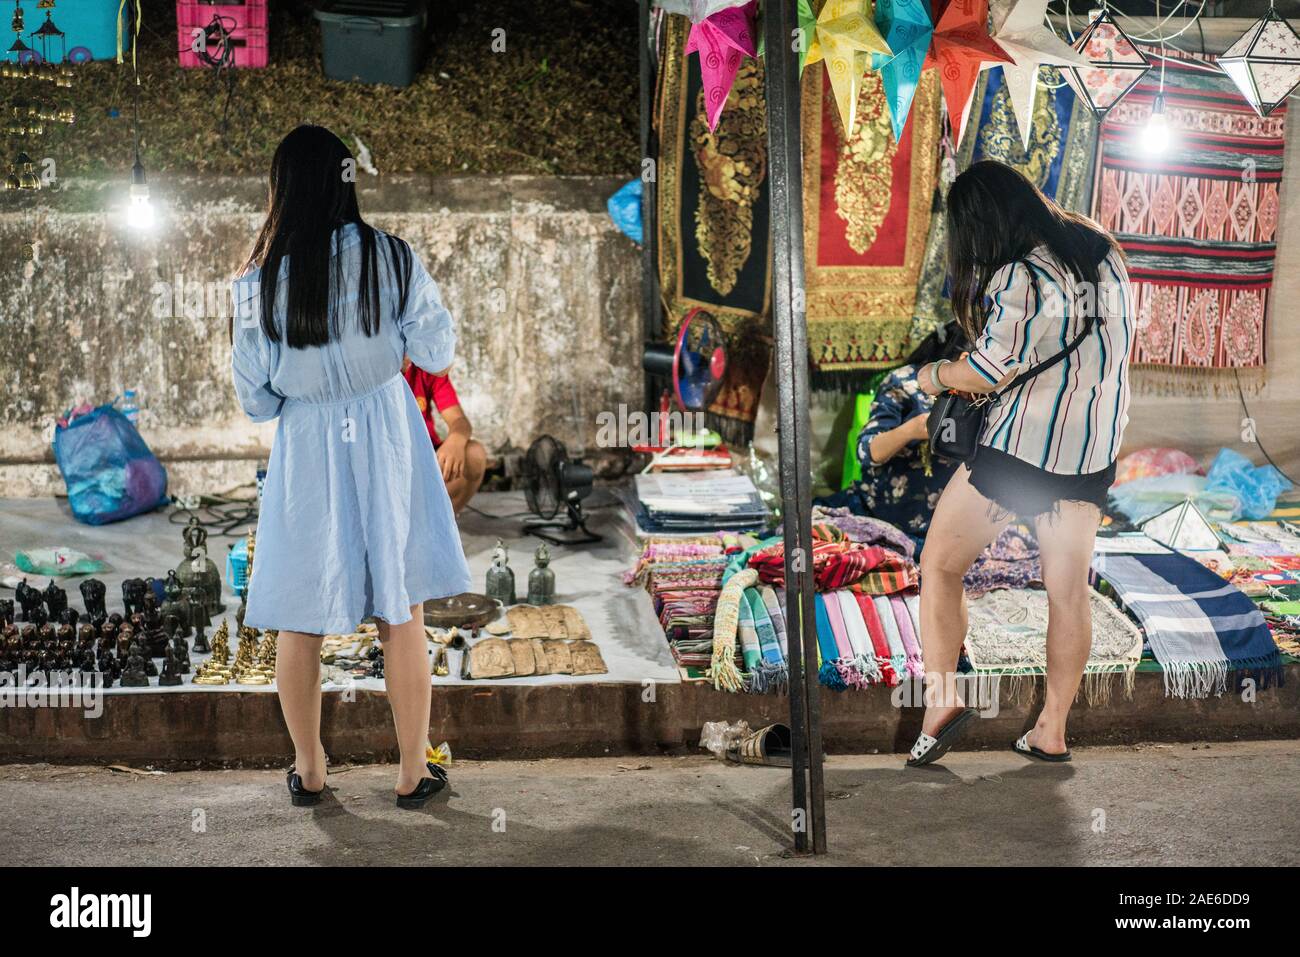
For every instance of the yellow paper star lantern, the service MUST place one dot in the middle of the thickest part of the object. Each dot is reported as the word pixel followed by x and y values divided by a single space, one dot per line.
pixel 844 36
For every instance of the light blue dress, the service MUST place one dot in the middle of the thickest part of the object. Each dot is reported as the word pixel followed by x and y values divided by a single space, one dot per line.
pixel 355 518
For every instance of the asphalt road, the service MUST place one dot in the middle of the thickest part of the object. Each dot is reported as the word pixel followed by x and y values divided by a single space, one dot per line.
pixel 1186 804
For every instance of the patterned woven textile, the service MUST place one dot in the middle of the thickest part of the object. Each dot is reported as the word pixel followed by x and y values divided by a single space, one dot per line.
pixel 1008 636
pixel 867 209
pixel 839 562
pixel 684 578
pixel 1198 227
pixel 713 220
pixel 1199 626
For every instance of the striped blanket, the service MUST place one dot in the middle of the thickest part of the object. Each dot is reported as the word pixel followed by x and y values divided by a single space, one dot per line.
pixel 1199 626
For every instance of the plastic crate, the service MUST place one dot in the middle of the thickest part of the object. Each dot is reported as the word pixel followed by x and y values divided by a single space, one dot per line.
pixel 246 23
pixel 372 41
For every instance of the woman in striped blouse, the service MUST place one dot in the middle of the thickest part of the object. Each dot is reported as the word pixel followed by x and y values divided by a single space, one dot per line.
pixel 1028 278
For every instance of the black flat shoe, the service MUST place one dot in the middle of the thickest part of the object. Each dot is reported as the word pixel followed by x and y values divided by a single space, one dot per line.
pixel 300 796
pixel 928 749
pixel 426 789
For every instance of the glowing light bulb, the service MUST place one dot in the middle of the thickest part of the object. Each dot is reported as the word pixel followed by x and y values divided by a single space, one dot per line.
pixel 1155 136
pixel 139 209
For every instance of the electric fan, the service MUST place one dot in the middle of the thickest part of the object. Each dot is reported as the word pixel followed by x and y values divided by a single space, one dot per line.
pixel 696 362
pixel 552 480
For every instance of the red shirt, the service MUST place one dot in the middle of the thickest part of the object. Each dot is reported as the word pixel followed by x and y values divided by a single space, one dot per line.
pixel 430 390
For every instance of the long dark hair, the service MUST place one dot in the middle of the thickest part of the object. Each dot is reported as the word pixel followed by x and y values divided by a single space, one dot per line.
pixel 313 195
pixel 997 216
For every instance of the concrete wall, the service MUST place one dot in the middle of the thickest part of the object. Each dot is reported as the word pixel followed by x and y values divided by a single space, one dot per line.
pixel 544 290
pixel 543 287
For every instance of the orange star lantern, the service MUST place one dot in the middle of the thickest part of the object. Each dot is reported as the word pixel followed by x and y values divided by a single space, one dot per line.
pixel 959 49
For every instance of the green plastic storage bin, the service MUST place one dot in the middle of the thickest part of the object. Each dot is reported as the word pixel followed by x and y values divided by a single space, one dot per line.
pixel 373 41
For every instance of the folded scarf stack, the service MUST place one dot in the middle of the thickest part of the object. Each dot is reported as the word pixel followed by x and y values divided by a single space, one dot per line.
pixel 684 578
pixel 866 605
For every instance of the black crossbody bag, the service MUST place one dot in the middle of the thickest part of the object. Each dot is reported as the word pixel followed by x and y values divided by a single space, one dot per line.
pixel 956 421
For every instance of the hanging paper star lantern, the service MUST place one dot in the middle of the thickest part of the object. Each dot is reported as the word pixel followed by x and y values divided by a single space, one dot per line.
pixel 1116 67
pixel 960 48
pixel 721 39
pixel 698 10
pixel 906 27
pixel 1019 29
pixel 844 36
pixel 1264 62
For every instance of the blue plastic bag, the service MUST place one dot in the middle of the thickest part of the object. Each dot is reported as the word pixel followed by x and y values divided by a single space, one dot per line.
pixel 108 468
pixel 625 209
pixel 1256 486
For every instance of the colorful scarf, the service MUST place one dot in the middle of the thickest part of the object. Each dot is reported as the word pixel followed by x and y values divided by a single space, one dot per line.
pixel 879 643
pixel 897 650
pixel 838 562
pixel 1199 626
pixel 865 529
pixel 911 646
pixel 827 672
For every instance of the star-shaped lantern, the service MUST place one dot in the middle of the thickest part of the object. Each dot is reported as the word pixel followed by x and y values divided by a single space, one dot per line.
pixel 698 10
pixel 1116 64
pixel 960 48
pixel 721 39
pixel 906 27
pixel 1264 62
pixel 1019 29
pixel 844 36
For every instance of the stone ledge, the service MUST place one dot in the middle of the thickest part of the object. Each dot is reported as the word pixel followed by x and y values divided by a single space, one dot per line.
pixel 189 729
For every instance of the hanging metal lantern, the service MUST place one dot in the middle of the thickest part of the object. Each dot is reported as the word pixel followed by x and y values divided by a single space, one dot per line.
pixel 1117 64
pixel 1264 62
pixel 27 178
pixel 46 35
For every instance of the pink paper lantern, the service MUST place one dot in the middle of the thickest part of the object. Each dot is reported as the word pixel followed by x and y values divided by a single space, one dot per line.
pixel 1117 64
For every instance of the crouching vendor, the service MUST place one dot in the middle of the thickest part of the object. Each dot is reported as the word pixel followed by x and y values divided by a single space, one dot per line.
pixel 462 460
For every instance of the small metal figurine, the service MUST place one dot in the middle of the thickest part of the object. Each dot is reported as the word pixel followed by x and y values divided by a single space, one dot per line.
pixel 176 605
pixel 6 611
pixel 133 592
pixel 201 645
pixel 56 600
pixel 541 580
pixel 501 577
pixel 92 595
pixel 134 674
pixel 171 670
pixel 198 570
pixel 29 599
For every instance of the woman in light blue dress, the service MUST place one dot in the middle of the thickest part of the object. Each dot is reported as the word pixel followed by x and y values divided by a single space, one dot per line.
pixel 355 520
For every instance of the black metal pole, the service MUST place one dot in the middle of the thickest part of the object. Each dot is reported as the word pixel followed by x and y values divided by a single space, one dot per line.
pixel 785 184
pixel 651 306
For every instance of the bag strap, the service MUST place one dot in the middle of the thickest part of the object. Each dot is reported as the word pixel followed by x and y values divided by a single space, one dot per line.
pixel 1040 368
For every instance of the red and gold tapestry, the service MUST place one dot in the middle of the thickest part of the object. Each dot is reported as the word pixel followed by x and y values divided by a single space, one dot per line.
pixel 1198 225
pixel 866 218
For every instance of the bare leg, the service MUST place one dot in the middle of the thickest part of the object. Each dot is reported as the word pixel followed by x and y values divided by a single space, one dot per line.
pixel 964 523
pixel 297 678
pixel 1065 543
pixel 466 485
pixel 406 676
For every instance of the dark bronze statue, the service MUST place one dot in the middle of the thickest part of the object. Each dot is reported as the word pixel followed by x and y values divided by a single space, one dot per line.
pixel 29 599
pixel 133 594
pixel 92 595
pixel 56 600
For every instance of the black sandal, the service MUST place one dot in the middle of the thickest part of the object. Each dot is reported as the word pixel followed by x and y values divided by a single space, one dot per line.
pixel 300 796
pixel 928 749
pixel 426 789
pixel 1022 746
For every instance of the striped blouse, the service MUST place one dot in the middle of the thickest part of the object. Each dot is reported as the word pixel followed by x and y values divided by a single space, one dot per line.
pixel 1070 419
